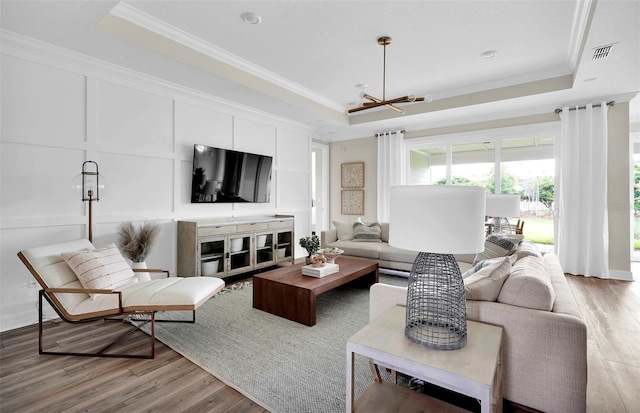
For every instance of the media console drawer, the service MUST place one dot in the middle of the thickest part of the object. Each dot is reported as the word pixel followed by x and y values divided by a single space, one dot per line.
pixel 258 226
pixel 216 230
pixel 286 223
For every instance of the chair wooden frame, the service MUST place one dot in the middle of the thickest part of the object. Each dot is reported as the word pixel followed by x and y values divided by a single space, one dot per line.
pixel 118 314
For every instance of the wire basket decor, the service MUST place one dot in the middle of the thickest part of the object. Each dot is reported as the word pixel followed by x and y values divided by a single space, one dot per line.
pixel 436 308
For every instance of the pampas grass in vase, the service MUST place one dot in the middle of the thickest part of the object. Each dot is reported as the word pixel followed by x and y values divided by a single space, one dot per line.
pixel 136 243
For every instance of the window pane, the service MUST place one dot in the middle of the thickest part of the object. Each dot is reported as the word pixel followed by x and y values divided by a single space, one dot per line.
pixel 473 164
pixel 428 166
pixel 528 169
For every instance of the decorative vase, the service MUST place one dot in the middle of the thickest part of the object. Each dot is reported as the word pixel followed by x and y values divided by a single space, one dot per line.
pixel 142 276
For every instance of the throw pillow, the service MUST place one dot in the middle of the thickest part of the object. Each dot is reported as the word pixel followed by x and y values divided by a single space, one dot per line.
pixel 527 248
pixel 498 245
pixel 344 230
pixel 103 268
pixel 485 284
pixel 529 285
pixel 367 232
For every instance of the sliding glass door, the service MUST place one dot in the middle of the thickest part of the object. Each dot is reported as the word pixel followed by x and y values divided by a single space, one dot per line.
pixel 508 161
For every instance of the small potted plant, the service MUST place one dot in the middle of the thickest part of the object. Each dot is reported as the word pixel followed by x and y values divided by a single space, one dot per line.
pixel 311 244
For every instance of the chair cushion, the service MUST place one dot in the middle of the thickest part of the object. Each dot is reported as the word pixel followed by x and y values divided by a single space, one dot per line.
pixel 103 268
pixel 165 294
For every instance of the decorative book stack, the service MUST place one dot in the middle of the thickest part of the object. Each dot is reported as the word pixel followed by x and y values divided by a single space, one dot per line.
pixel 320 272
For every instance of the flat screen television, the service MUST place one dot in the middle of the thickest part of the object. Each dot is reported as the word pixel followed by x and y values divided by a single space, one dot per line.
pixel 222 175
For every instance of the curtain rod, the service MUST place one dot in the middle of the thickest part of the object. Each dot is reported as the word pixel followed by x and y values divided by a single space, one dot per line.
pixel 380 134
pixel 597 105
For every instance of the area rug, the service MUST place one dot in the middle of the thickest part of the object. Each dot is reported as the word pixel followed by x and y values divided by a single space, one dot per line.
pixel 281 365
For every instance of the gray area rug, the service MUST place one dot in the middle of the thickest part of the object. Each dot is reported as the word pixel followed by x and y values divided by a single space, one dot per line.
pixel 281 365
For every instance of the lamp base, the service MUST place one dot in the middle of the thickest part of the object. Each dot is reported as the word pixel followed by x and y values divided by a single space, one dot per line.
pixel 436 306
pixel 501 226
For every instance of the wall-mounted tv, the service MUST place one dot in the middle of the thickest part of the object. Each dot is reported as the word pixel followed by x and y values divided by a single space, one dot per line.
pixel 222 175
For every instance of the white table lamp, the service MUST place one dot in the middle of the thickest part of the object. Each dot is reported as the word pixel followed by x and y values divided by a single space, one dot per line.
pixel 437 221
pixel 501 207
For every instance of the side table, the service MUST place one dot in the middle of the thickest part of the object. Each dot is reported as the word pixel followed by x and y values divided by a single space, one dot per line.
pixel 474 370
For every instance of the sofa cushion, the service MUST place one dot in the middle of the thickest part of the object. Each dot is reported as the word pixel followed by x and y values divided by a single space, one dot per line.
pixel 498 245
pixel 384 231
pixel 484 280
pixel 360 249
pixel 344 229
pixel 527 249
pixel 529 285
pixel 397 255
pixel 103 268
pixel 366 232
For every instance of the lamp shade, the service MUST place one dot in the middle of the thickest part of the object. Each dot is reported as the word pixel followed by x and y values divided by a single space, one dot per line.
pixel 503 205
pixel 447 219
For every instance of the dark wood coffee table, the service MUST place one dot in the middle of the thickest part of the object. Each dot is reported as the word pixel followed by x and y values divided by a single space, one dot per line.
pixel 287 293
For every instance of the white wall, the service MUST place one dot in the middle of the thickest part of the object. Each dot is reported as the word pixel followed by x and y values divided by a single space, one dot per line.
pixel 60 109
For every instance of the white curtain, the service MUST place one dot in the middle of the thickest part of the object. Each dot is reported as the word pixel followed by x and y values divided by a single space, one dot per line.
pixel 582 230
pixel 390 169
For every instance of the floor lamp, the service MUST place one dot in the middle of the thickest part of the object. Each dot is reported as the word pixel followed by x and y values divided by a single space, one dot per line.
pixel 438 221
pixel 89 183
pixel 501 206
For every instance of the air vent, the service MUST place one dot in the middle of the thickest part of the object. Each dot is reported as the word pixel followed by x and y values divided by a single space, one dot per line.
pixel 602 52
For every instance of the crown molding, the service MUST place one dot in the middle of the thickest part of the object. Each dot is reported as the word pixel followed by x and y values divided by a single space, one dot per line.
pixel 27 48
pixel 141 19
pixel 582 18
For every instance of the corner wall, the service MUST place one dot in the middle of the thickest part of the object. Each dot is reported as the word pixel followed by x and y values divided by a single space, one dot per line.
pixel 60 109
pixel 354 150
pixel 619 190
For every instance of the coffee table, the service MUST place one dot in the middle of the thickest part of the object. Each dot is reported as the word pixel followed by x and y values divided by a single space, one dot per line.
pixel 287 293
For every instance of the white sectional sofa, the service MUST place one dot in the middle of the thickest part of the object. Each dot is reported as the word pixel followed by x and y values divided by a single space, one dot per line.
pixel 381 252
pixel 545 337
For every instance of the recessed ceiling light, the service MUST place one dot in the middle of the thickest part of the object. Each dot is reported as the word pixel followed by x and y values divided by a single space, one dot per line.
pixel 489 54
pixel 251 18
pixel 362 86
pixel 591 79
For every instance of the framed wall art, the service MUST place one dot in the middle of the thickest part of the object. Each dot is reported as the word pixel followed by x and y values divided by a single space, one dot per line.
pixel 352 201
pixel 352 175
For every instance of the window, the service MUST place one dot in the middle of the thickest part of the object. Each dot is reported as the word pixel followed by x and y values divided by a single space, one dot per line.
pixel 472 164
pixel 428 166
pixel 509 163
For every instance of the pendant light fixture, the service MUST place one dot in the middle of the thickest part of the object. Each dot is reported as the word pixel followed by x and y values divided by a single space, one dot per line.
pixel 375 102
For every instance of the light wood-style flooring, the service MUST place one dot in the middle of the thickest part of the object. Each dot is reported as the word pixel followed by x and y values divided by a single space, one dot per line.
pixel 170 383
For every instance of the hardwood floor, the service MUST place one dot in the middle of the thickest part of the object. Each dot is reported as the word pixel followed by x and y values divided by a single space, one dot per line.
pixel 170 383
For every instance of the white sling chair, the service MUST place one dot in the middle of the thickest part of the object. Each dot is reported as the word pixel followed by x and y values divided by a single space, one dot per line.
pixel 76 304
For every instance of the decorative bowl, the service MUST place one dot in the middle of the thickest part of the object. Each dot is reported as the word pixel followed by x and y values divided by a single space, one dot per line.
pixel 331 254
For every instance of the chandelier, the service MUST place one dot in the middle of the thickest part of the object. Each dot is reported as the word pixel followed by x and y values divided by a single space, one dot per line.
pixel 375 102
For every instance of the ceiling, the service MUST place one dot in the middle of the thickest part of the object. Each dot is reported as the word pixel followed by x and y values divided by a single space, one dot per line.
pixel 305 58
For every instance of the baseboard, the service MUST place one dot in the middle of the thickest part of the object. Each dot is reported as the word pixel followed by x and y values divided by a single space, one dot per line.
pixel 17 316
pixel 620 275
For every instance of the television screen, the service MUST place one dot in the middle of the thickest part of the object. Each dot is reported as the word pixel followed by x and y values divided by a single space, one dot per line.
pixel 223 175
